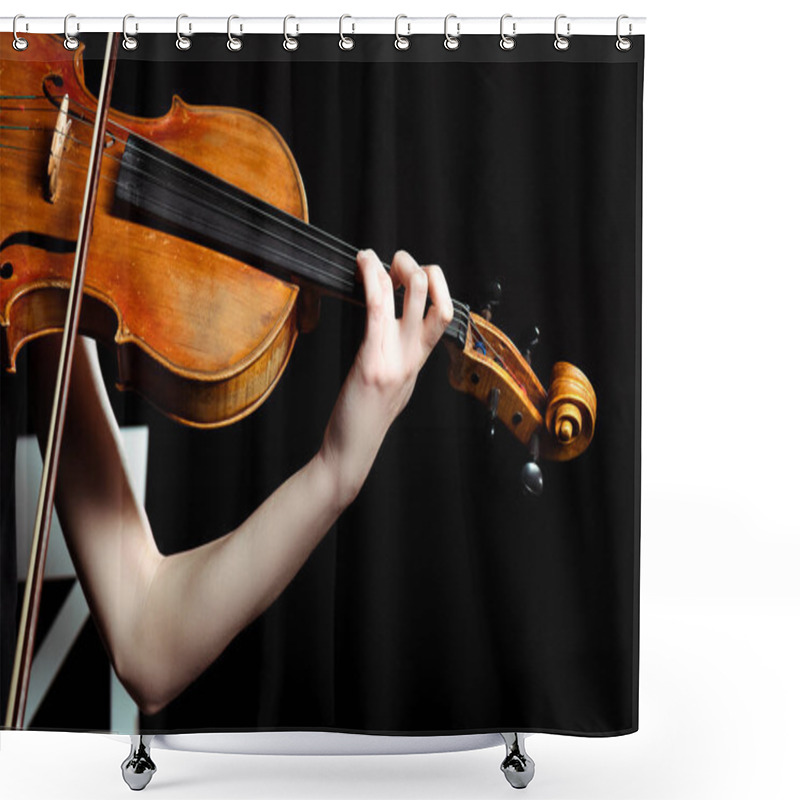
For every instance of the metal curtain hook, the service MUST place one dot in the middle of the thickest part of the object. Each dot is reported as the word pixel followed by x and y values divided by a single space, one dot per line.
pixel 561 42
pixel 129 42
pixel 19 42
pixel 289 42
pixel 234 43
pixel 623 43
pixel 451 42
pixel 182 42
pixel 507 42
pixel 401 42
pixel 346 42
pixel 70 42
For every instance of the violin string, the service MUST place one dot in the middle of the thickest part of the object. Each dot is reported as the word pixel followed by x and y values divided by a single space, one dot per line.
pixel 298 227
pixel 346 274
pixel 461 311
pixel 347 282
pixel 461 315
pixel 341 283
pixel 302 228
pixel 308 268
pixel 14 147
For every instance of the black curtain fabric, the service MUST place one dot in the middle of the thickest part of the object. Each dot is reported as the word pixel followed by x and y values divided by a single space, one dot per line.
pixel 444 600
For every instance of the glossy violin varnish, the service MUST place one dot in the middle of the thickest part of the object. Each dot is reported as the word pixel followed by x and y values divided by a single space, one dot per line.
pixel 204 357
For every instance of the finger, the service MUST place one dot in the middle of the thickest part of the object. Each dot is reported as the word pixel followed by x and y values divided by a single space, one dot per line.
pixel 370 269
pixel 415 283
pixel 385 279
pixel 440 313
pixel 379 298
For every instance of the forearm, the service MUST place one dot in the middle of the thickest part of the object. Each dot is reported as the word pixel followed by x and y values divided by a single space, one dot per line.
pixel 207 595
pixel 200 599
pixel 164 619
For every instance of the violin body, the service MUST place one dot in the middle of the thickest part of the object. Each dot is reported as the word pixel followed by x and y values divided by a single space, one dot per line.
pixel 205 357
pixel 200 333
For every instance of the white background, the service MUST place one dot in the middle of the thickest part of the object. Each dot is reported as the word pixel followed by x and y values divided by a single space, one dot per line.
pixel 719 625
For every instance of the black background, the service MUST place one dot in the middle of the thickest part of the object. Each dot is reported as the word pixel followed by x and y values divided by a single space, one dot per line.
pixel 444 600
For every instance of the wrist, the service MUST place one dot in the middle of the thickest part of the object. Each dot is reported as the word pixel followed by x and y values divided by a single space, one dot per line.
pixel 339 484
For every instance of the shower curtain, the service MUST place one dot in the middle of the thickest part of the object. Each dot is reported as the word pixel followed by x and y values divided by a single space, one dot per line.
pixel 445 598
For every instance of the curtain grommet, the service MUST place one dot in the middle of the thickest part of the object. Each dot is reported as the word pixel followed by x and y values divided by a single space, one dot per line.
pixel 561 43
pixel 129 42
pixel 507 42
pixel 452 42
pixel 70 42
pixel 401 42
pixel 623 44
pixel 19 43
pixel 182 42
pixel 290 43
pixel 346 42
pixel 234 43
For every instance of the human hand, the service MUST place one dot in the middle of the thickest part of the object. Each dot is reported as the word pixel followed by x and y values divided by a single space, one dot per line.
pixel 382 377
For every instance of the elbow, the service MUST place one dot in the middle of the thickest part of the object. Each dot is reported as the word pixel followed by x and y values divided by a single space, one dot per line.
pixel 135 657
pixel 145 676
pixel 143 686
pixel 151 707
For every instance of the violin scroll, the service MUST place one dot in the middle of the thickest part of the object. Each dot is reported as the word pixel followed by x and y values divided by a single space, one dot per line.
pixel 570 414
pixel 557 424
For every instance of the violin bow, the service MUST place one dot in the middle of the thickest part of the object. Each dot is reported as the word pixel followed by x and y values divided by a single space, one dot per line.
pixel 23 658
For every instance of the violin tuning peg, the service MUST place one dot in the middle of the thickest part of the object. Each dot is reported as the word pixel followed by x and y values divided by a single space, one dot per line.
pixel 494 294
pixel 532 479
pixel 534 340
pixel 531 476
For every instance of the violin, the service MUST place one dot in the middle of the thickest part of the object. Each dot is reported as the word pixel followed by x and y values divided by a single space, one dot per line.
pixel 202 267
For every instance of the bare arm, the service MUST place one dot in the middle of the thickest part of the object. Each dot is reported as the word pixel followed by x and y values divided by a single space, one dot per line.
pixel 164 619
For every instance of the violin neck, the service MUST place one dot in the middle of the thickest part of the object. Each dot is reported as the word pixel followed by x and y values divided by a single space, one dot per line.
pixel 161 189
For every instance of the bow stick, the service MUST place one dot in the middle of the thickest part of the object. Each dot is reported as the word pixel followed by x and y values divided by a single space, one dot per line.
pixel 23 658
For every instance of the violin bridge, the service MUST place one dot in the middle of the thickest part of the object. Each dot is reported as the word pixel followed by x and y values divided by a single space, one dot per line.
pixel 57 146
